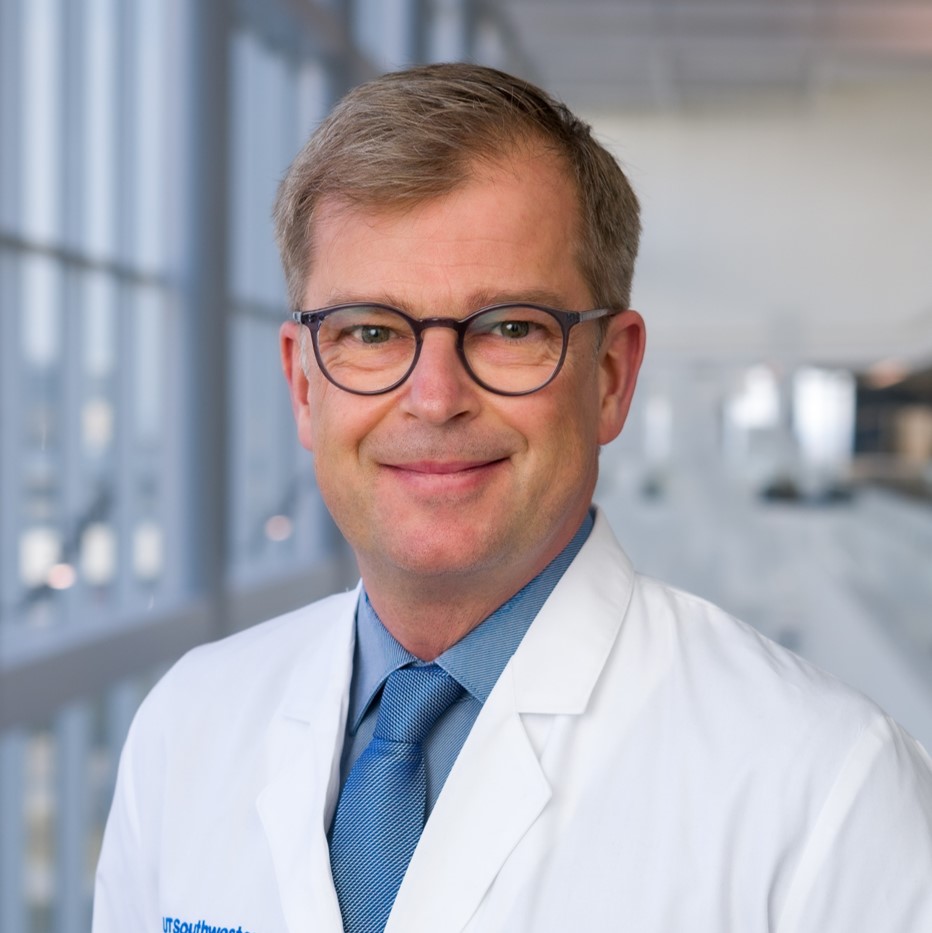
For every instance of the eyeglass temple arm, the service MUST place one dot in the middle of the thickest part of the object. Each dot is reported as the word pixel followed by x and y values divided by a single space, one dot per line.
pixel 593 315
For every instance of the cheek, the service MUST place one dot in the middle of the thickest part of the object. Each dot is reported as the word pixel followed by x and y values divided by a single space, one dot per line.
pixel 561 437
pixel 578 410
pixel 331 433
pixel 341 422
pixel 334 452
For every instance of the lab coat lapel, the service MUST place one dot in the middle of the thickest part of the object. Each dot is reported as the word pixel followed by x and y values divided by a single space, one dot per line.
pixel 493 795
pixel 497 787
pixel 304 745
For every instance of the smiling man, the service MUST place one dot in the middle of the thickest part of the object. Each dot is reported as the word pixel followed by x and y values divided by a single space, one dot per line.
pixel 504 727
pixel 453 495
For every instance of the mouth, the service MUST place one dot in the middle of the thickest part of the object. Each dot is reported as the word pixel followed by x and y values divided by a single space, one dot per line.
pixel 444 467
pixel 445 477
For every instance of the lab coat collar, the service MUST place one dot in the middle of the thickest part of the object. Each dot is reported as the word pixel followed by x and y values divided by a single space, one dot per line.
pixel 559 662
pixel 304 744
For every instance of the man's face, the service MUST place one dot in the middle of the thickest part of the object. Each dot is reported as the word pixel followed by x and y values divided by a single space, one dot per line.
pixel 440 477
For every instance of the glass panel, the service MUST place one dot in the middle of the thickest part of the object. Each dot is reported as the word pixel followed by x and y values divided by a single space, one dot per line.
pixel 12 142
pixel 312 102
pixel 146 485
pixel 40 312
pixel 149 131
pixel 42 559
pixel 12 437
pixel 385 31
pixel 38 806
pixel 100 132
pixel 242 165
pixel 13 838
pixel 56 783
pixel 148 366
pixel 41 139
pixel 275 512
pixel 98 414
pixel 265 488
pixel 91 448
pixel 446 31
pixel 85 458
pixel 262 130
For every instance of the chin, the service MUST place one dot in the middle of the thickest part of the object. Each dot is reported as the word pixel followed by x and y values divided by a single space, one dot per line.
pixel 442 552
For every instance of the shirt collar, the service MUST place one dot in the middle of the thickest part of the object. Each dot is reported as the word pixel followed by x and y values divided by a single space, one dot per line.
pixel 377 655
pixel 477 660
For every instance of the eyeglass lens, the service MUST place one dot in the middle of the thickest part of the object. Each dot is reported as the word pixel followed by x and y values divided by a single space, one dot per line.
pixel 509 349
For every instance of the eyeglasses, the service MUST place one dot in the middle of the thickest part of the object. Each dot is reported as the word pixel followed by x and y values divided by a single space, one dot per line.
pixel 509 349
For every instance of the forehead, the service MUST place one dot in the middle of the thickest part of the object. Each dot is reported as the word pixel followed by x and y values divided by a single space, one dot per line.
pixel 510 230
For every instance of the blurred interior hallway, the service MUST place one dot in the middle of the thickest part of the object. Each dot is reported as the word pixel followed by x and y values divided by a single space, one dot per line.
pixel 845 584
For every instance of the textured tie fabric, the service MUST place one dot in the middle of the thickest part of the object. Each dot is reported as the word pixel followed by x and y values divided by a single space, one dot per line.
pixel 381 810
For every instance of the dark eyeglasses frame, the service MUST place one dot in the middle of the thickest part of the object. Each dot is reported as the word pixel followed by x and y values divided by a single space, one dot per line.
pixel 566 319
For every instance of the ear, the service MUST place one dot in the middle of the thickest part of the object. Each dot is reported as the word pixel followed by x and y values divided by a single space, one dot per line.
pixel 298 384
pixel 619 362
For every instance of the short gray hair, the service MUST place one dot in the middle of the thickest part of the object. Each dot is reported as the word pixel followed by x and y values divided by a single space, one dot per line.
pixel 413 135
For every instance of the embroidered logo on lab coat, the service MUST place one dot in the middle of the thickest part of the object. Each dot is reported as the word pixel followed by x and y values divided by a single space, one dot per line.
pixel 175 925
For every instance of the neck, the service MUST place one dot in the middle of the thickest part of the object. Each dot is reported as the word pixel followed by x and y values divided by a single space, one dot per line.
pixel 427 617
pixel 427 613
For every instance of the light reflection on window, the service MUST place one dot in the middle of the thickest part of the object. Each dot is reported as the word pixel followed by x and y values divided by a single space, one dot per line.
pixel 96 425
pixel 148 557
pixel 40 549
pixel 98 554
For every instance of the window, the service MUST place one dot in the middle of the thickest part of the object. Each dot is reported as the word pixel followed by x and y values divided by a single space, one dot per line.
pixel 153 493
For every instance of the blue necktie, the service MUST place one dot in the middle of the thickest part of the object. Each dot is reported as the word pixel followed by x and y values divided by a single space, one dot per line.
pixel 383 804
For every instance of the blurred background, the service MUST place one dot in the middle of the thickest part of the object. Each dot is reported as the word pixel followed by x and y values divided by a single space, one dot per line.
pixel 152 494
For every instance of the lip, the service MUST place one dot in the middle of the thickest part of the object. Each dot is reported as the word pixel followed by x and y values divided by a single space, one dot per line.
pixel 444 477
pixel 443 467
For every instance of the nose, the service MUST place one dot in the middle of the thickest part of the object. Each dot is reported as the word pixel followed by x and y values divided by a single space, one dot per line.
pixel 439 389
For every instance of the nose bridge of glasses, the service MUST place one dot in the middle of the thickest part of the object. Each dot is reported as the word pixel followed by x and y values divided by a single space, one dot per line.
pixel 433 347
pixel 425 323
pixel 439 375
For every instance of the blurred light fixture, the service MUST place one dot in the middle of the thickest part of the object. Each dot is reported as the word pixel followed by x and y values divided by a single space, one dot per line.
pixel 824 418
pixel 97 424
pixel 62 577
pixel 40 549
pixel 98 554
pixel 278 528
pixel 757 404
pixel 148 551
pixel 886 373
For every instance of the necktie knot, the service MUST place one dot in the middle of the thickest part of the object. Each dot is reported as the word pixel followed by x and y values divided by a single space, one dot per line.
pixel 413 700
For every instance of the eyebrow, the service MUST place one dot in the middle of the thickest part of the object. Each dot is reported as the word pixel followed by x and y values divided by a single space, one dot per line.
pixel 478 299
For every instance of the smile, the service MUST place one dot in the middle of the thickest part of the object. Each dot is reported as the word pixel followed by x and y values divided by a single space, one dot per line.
pixel 435 476
pixel 444 467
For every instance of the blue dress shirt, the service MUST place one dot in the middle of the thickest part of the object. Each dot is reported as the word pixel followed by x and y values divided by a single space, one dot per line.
pixel 476 661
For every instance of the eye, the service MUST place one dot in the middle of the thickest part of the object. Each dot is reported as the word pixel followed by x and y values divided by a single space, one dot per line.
pixel 367 327
pixel 372 333
pixel 508 327
pixel 512 330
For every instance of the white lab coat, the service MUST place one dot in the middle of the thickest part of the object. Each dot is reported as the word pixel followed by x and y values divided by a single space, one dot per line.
pixel 645 763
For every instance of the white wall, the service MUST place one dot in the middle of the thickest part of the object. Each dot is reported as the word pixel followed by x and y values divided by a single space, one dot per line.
pixel 798 232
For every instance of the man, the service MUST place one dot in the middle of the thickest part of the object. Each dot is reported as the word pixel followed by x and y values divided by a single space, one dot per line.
pixel 504 728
